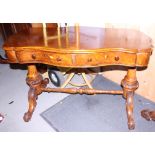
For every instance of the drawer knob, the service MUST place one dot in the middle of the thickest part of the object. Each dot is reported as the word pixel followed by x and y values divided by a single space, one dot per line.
pixel 89 59
pixel 116 58
pixel 33 56
pixel 58 59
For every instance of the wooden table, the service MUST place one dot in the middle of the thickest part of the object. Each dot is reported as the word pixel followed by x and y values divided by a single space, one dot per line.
pixel 80 47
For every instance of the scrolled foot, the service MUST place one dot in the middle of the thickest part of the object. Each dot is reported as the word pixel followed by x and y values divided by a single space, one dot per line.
pixel 148 115
pixel 3 61
pixel 27 116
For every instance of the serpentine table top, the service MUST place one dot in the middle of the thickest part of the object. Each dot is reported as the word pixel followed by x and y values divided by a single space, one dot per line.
pixel 80 47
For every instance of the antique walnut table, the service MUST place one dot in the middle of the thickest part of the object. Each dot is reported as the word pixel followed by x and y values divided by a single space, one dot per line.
pixel 80 47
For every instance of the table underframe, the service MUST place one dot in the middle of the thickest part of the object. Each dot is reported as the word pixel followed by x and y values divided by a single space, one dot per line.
pixel 38 85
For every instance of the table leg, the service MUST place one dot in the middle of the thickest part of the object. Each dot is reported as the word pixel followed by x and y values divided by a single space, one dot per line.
pixel 35 82
pixel 130 84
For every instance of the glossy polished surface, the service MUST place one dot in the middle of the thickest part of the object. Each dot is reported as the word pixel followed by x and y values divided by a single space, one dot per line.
pixel 80 47
pixel 84 38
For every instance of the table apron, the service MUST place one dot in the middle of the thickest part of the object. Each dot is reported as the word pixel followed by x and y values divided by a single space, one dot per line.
pixel 82 60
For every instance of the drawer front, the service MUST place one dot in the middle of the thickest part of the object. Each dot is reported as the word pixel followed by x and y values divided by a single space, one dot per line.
pixel 62 60
pixel 106 58
pixel 50 58
pixel 76 59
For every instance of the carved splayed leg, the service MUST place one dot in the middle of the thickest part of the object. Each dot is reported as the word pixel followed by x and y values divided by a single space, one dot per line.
pixel 36 83
pixel 32 96
pixel 130 84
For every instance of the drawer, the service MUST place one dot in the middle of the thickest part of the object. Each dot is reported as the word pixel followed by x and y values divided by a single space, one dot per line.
pixel 50 58
pixel 77 59
pixel 106 58
pixel 57 59
pixel 28 56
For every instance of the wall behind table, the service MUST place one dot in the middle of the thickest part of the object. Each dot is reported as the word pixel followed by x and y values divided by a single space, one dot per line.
pixel 145 77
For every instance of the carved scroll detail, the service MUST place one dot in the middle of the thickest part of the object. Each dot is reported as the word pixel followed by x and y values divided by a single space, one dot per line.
pixel 36 83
